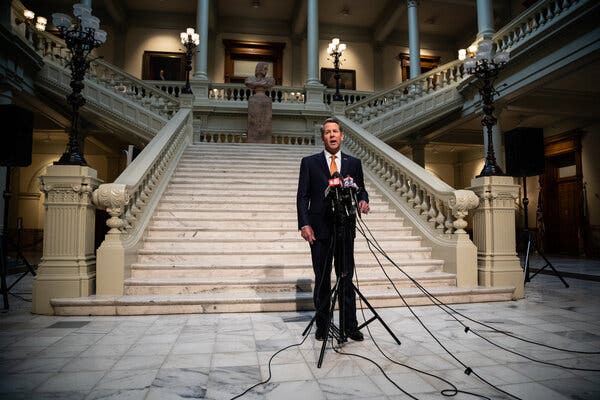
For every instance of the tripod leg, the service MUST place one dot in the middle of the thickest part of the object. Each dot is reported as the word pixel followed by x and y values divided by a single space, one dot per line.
pixel 3 272
pixel 334 295
pixel 526 261
pixel 376 315
pixel 312 321
pixel 548 264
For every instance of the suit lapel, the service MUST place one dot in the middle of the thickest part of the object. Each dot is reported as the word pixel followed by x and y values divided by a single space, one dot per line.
pixel 323 164
pixel 345 165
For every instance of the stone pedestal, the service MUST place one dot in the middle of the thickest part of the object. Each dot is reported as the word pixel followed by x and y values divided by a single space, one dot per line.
pixel 200 88
pixel 260 117
pixel 314 97
pixel 338 106
pixel 494 233
pixel 68 265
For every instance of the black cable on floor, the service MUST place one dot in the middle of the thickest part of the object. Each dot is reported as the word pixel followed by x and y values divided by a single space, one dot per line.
pixel 445 392
pixel 269 365
pixel 452 311
pixel 468 370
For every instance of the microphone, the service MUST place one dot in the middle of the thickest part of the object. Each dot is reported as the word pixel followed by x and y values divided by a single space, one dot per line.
pixel 349 183
pixel 334 182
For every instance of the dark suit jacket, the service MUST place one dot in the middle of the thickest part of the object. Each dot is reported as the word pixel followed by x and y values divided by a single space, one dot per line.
pixel 310 201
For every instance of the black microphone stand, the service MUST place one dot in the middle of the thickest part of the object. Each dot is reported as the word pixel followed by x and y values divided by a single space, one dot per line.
pixel 342 217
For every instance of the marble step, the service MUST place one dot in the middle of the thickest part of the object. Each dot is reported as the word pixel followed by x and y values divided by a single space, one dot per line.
pixel 284 205
pixel 219 196
pixel 267 234
pixel 296 244
pixel 251 256
pixel 222 303
pixel 261 270
pixel 267 213
pixel 242 286
pixel 290 224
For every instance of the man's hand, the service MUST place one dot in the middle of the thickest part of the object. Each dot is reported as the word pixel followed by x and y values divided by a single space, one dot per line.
pixel 363 207
pixel 308 234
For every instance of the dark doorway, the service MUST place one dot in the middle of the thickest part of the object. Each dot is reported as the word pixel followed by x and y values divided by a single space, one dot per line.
pixel 562 186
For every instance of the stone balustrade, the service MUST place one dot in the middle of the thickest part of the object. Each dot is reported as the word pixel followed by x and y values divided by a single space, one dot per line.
pixel 291 138
pixel 410 91
pixel 439 205
pixel 234 92
pixel 172 88
pixel 53 49
pixel 130 200
pixel 349 96
pixel 532 21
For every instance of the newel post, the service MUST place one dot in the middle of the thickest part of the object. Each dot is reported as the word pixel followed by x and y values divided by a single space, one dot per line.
pixel 68 265
pixel 494 233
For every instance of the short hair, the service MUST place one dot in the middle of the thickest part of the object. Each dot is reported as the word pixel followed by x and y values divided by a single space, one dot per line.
pixel 333 120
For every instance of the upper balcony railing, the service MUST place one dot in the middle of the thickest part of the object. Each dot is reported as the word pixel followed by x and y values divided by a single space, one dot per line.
pixel 54 50
pixel 536 22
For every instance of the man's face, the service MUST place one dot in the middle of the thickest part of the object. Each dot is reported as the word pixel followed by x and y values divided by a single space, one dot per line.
pixel 332 137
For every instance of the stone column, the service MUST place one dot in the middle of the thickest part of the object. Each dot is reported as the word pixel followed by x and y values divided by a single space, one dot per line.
pixel 494 233
pixel 200 83
pixel 312 43
pixel 485 19
pixel 68 265
pixel 414 43
pixel 202 49
pixel 418 151
pixel 313 88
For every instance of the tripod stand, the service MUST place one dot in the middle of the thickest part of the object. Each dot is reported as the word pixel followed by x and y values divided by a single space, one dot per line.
pixel 4 244
pixel 531 243
pixel 344 213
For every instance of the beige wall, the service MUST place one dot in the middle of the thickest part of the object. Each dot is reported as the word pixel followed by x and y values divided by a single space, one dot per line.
pixel 148 39
pixel 219 54
pixel 358 56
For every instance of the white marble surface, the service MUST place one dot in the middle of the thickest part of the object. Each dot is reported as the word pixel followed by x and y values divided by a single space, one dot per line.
pixel 218 356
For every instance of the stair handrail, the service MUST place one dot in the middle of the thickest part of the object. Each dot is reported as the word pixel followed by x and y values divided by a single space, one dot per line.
pixel 131 198
pixel 429 201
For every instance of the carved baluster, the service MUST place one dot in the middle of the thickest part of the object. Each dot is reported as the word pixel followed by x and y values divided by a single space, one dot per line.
pixel 440 218
pixel 424 206
pixel 405 188
pixel 448 224
pixel 460 203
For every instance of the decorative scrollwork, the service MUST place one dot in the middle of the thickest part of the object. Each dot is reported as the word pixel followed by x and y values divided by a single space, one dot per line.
pixel 113 198
pixel 460 203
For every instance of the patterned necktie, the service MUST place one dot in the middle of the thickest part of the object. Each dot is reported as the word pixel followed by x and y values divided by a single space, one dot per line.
pixel 333 167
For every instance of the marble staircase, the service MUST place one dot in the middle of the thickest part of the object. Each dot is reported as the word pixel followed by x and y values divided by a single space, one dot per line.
pixel 224 238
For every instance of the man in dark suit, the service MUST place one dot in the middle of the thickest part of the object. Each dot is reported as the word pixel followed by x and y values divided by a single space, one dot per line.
pixel 315 221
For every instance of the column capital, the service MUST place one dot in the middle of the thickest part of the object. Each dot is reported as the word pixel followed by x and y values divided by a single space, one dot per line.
pixel 412 3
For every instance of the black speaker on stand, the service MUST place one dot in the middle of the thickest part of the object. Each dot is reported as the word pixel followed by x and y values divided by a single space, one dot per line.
pixel 17 138
pixel 524 151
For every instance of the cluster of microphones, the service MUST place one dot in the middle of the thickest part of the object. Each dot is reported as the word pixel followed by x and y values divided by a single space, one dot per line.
pixel 342 192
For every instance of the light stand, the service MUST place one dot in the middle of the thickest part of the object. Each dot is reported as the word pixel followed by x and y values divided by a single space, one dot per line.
pixel 190 40
pixel 82 35
pixel 485 66
pixel 531 243
pixel 335 50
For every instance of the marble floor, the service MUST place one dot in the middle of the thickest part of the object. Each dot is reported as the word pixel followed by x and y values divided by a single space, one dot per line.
pixel 218 356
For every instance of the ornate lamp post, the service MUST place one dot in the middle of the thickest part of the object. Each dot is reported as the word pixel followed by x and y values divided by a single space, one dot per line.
pixel 190 40
pixel 335 50
pixel 82 35
pixel 485 64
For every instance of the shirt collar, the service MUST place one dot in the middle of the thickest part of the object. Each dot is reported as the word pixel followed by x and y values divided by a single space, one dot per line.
pixel 338 155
